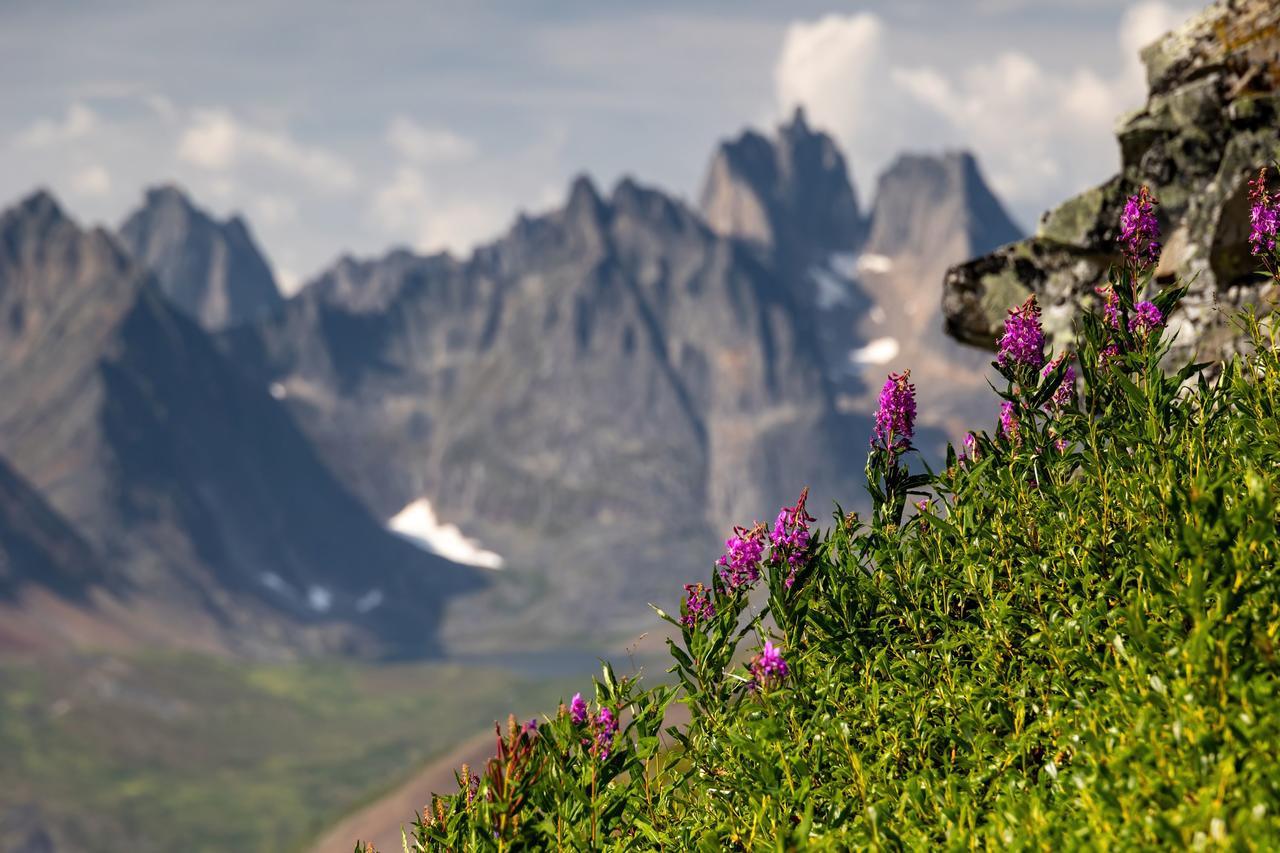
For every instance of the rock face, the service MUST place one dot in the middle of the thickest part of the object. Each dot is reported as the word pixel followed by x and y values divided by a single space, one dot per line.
pixel 189 481
pixel 39 548
pixel 597 395
pixel 792 193
pixel 937 205
pixel 211 270
pixel 56 592
pixel 1212 119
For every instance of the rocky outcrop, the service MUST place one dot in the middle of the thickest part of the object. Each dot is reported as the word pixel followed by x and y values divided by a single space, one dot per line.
pixel 1211 120
pixel 212 270
pixel 189 481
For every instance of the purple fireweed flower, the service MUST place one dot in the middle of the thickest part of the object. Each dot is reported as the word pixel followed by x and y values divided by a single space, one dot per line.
pixel 923 510
pixel 1266 221
pixel 1110 305
pixel 768 668
pixel 1139 231
pixel 896 415
pixel 1023 339
pixel 740 565
pixel 1009 421
pixel 1110 351
pixel 578 710
pixel 1066 392
pixel 970 451
pixel 472 782
pixel 1264 216
pixel 790 536
pixel 603 729
pixel 531 727
pixel 698 606
pixel 1146 319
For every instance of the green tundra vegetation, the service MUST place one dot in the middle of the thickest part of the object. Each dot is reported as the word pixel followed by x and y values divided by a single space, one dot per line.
pixel 1069 642
pixel 165 751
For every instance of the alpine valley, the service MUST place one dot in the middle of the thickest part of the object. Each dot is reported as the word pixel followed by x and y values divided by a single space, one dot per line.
pixel 216 500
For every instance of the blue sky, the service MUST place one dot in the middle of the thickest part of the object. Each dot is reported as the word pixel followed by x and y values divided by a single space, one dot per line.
pixel 339 126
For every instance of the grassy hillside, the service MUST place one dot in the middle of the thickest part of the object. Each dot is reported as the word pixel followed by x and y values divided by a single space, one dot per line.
pixel 1070 641
pixel 183 752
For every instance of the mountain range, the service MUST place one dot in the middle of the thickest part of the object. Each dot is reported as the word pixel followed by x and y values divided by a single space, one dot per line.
pixel 590 401
pixel 215 522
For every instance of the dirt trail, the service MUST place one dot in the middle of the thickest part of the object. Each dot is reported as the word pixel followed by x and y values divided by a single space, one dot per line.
pixel 380 821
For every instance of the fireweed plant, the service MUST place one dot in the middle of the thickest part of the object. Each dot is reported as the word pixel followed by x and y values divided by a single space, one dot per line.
pixel 1264 222
pixel 1073 642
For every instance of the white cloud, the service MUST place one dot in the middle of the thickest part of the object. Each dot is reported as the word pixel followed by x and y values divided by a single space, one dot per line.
pixel 402 202
pixel 160 105
pixel 431 220
pixel 270 210
pixel 79 122
pixel 1143 24
pixel 217 141
pixel 419 144
pixel 1038 132
pixel 288 280
pixel 463 224
pixel 831 67
pixel 91 181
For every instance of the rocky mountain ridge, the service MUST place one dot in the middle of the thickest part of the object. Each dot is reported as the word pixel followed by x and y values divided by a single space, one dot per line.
pixel 863 281
pixel 623 368
pixel 594 397
pixel 220 525
pixel 936 204
pixel 213 271
pixel 790 192
pixel 613 370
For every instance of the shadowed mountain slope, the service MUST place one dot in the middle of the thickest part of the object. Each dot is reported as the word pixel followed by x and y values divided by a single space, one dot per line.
pixel 190 481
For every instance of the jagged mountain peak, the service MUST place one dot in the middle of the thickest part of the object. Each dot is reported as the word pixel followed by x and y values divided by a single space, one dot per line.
pixel 40 204
pixel 36 233
pixel 33 219
pixel 366 285
pixel 791 192
pixel 211 269
pixel 187 476
pixel 584 199
pixel 798 126
pixel 924 201
pixel 632 198
pixel 168 193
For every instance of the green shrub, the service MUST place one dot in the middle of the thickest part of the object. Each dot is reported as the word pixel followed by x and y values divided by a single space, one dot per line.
pixel 1071 643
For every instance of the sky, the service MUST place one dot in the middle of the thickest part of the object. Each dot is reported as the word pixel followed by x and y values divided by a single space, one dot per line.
pixel 340 127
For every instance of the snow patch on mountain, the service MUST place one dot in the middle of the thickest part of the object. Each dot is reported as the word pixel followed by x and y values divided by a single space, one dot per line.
pixel 879 351
pixel 874 263
pixel 319 598
pixel 832 290
pixel 418 524
pixel 369 601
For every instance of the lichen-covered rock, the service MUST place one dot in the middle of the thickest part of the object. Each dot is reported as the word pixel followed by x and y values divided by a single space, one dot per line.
pixel 1211 120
